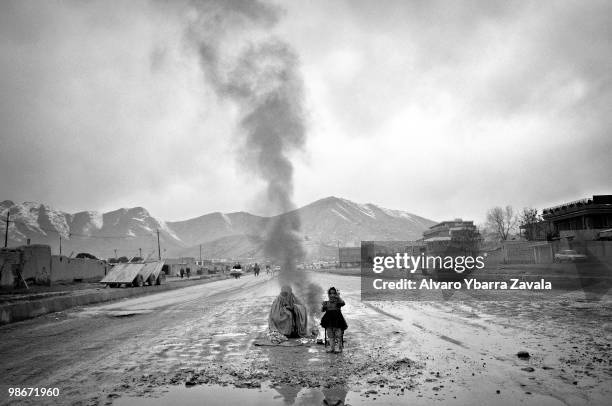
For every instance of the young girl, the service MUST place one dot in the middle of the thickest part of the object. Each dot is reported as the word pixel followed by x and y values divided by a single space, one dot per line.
pixel 333 321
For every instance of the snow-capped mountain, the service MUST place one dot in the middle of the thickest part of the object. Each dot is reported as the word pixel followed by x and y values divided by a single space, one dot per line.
pixel 124 230
pixel 213 226
pixel 325 224
pixel 332 220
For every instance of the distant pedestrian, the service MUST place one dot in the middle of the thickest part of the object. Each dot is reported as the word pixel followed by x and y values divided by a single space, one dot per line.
pixel 256 269
pixel 267 269
pixel 182 273
pixel 333 321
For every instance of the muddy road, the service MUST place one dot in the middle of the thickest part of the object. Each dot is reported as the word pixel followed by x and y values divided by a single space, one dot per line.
pixel 200 345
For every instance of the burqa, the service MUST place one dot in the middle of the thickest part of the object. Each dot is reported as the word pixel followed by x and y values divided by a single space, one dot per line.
pixel 288 315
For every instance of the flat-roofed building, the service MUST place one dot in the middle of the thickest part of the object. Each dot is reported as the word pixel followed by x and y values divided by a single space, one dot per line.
pixel 446 229
pixel 583 219
pixel 349 257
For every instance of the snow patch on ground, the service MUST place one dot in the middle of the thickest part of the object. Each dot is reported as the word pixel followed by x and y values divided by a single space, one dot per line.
pixel 122 212
pixel 365 210
pixel 27 214
pixel 226 219
pixel 397 213
pixel 15 234
pixel 96 218
pixel 342 207
pixel 164 227
pixel 361 208
pixel 58 220
pixel 339 214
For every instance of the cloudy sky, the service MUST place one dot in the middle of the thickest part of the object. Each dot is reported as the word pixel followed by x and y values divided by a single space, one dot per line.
pixel 443 109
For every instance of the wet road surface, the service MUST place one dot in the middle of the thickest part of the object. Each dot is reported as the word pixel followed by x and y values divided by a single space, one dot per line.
pixel 197 343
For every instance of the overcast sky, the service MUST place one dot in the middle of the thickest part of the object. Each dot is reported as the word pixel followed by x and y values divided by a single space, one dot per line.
pixel 443 109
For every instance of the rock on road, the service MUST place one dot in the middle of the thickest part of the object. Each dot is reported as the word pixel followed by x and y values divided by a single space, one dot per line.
pixel 407 351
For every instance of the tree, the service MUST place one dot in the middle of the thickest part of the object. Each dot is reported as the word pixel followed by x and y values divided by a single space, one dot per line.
pixel 85 255
pixel 528 220
pixel 501 221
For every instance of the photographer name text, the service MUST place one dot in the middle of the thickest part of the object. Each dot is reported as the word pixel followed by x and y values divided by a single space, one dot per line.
pixel 469 284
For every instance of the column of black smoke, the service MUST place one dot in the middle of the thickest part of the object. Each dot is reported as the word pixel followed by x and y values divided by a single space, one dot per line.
pixel 264 81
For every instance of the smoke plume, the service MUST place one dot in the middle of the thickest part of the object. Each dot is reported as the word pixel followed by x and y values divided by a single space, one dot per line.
pixel 259 73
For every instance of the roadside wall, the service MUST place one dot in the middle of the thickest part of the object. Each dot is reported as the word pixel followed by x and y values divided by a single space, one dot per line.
pixel 518 252
pixel 10 262
pixel 69 269
pixel 601 250
pixel 25 309
pixel 349 257
pixel 595 250
pixel 36 263
pixel 543 253
pixel 493 256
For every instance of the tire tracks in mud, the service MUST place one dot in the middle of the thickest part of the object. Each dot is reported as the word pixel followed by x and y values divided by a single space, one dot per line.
pixel 229 356
pixel 209 339
pixel 92 351
pixel 417 325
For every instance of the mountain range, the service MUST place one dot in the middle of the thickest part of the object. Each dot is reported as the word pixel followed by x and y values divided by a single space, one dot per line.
pixel 325 224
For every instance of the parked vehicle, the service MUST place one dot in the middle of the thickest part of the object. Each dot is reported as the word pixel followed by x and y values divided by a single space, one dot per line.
pixel 135 275
pixel 236 271
pixel 569 256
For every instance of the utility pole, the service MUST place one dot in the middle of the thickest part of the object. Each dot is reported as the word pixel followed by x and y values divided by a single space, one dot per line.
pixel 140 253
pixel 158 246
pixel 200 254
pixel 115 253
pixel 8 214
pixel 60 236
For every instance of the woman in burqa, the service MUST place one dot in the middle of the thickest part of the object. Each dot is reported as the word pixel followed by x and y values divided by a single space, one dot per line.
pixel 288 315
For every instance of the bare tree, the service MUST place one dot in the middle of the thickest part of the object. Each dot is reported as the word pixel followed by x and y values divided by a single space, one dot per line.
pixel 501 221
pixel 528 220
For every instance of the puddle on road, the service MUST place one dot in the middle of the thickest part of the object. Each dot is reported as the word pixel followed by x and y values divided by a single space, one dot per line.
pixel 113 313
pixel 213 395
pixel 123 314
pixel 229 335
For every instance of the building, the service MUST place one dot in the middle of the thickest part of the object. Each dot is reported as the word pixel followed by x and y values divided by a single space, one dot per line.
pixel 372 249
pixel 35 264
pixel 446 230
pixel 581 219
pixel 173 266
pixel 452 238
pixel 349 257
pixel 204 263
pixel 537 231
